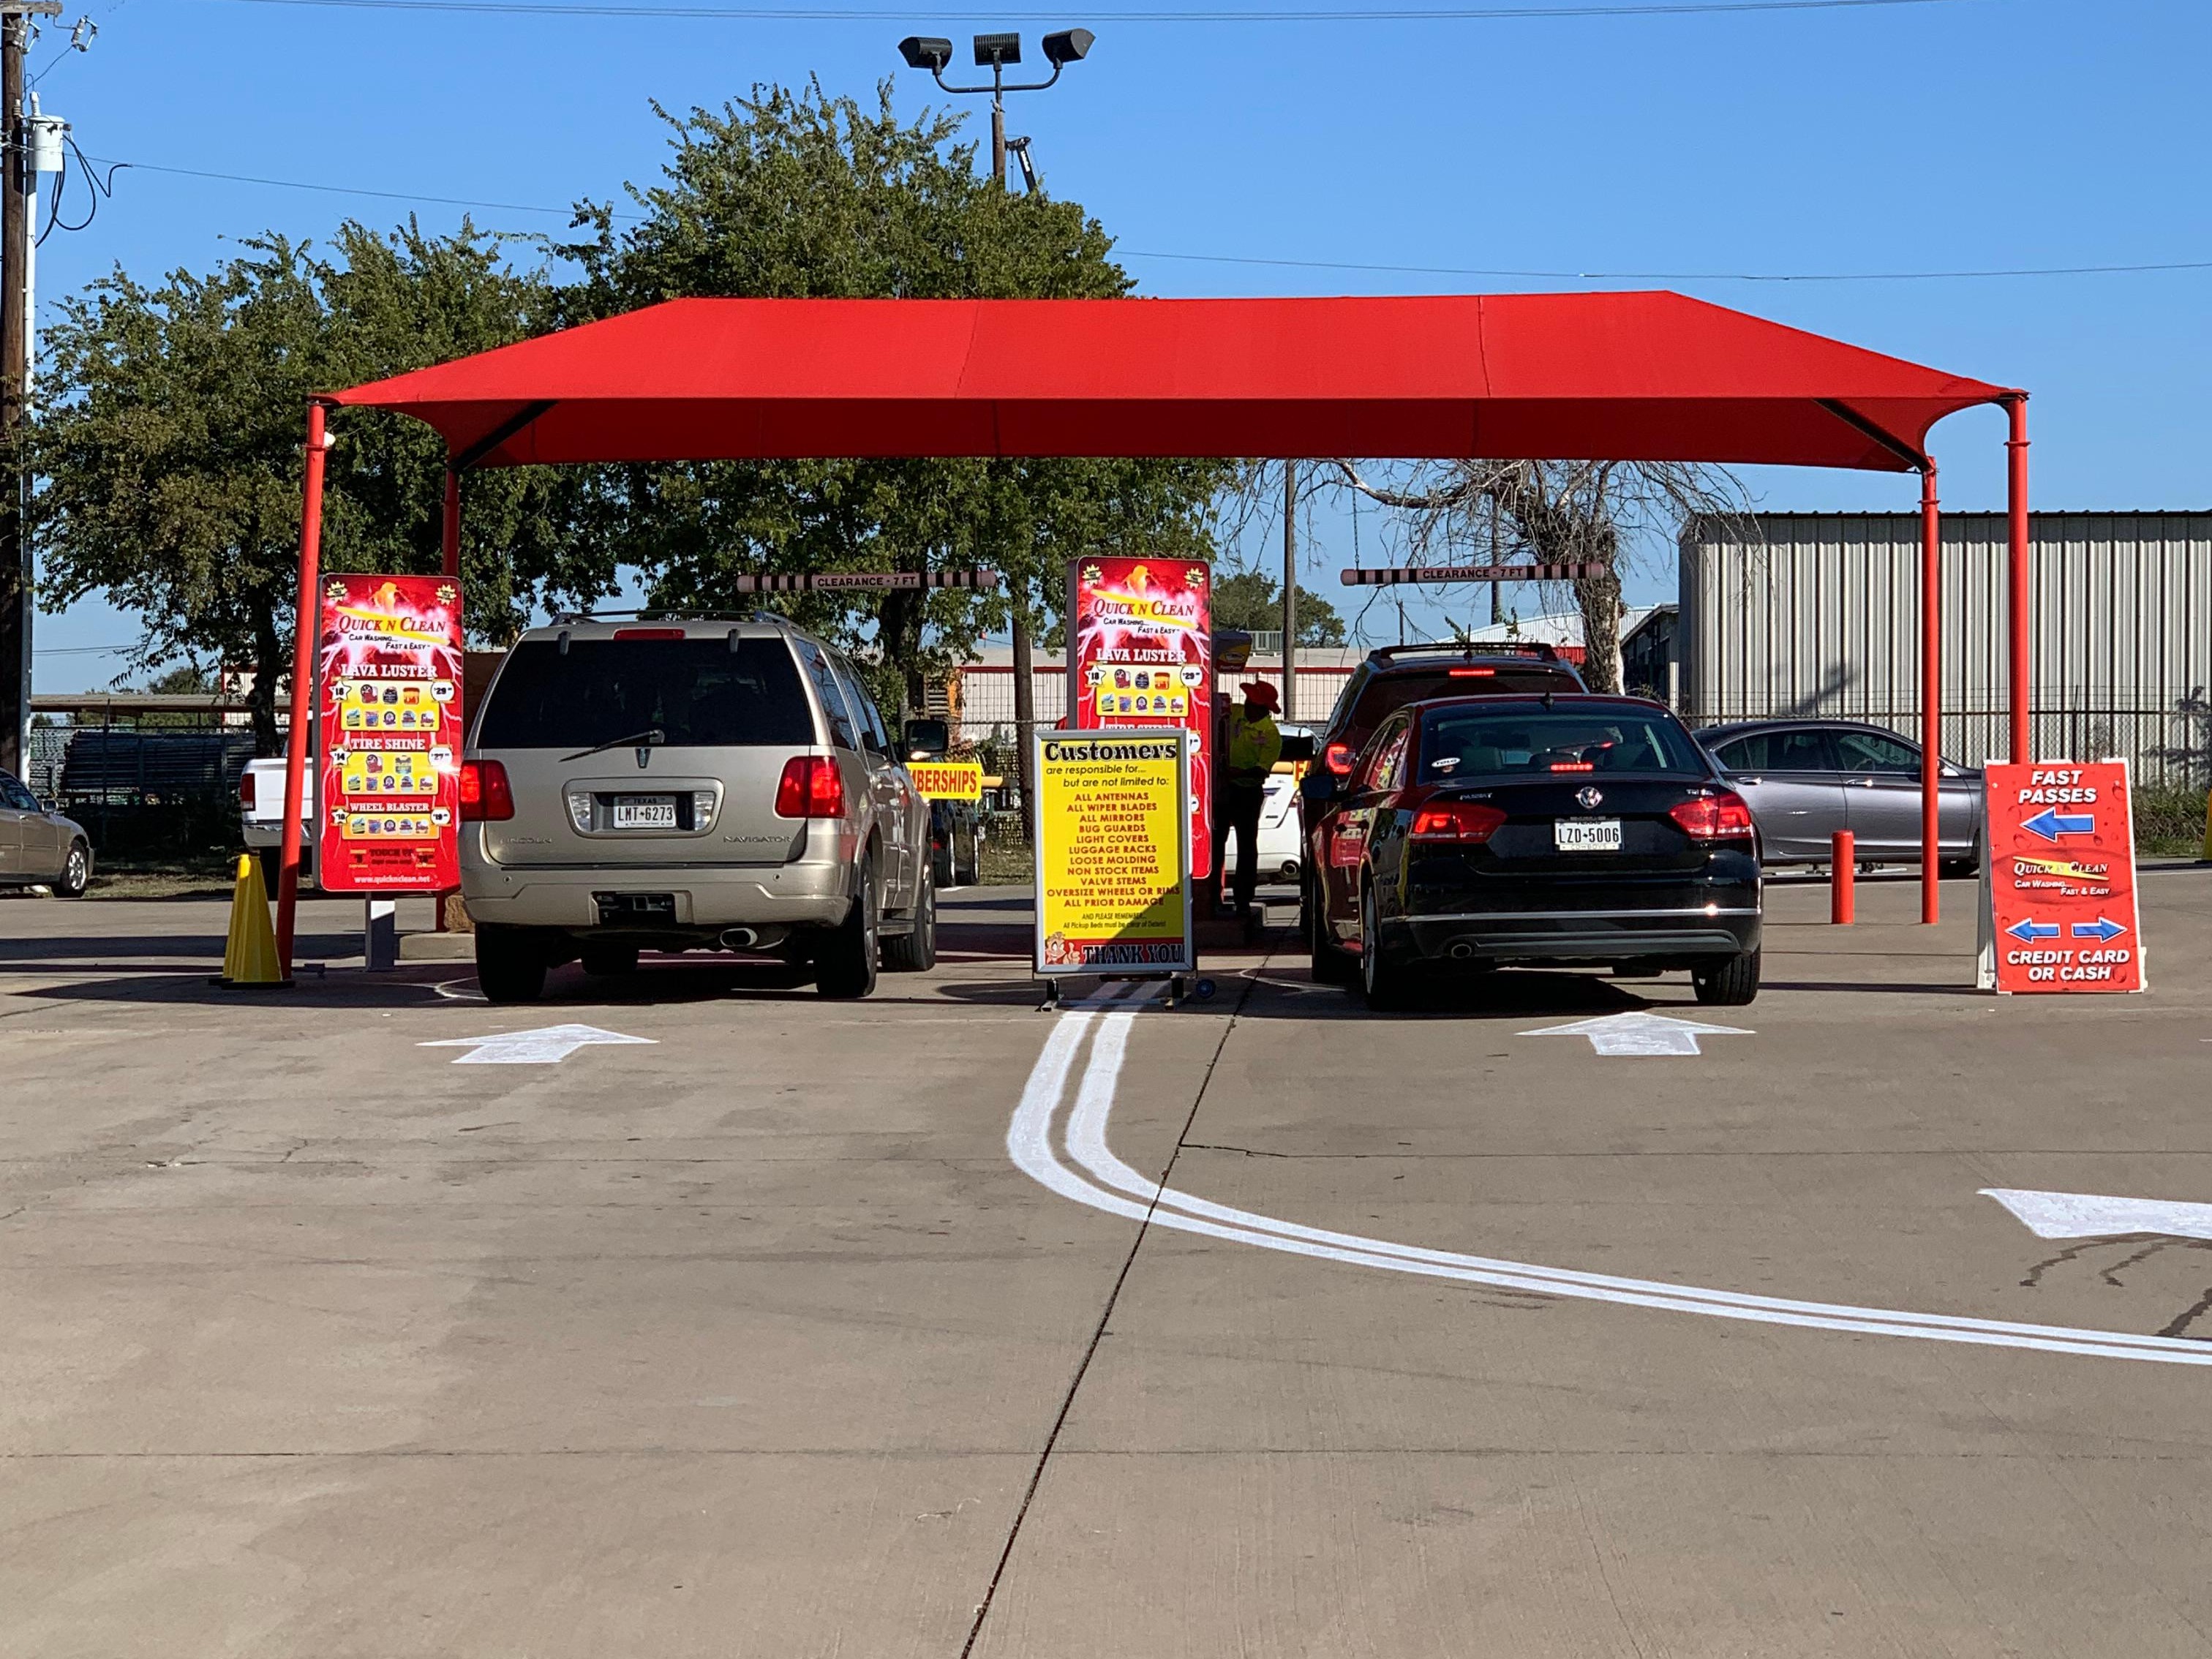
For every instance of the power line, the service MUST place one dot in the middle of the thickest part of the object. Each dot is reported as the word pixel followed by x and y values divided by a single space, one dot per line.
pixel 838 14
pixel 1680 275
pixel 1498 271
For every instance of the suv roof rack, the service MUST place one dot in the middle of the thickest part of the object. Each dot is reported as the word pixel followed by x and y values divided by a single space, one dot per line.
pixel 568 618
pixel 1535 648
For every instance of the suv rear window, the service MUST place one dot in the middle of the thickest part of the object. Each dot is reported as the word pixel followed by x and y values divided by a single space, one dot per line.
pixel 1392 691
pixel 698 692
pixel 1474 742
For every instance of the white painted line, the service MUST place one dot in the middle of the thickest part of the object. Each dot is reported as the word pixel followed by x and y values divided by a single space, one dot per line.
pixel 549 1045
pixel 1640 1033
pixel 2091 1215
pixel 1120 1190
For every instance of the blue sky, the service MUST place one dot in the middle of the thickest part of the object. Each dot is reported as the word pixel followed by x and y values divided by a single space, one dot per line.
pixel 1947 135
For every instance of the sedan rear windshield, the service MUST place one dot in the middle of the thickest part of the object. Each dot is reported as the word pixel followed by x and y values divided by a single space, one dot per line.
pixel 1472 742
pixel 696 693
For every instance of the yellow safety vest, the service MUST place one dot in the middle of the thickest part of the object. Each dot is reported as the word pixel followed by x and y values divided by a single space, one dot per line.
pixel 1255 746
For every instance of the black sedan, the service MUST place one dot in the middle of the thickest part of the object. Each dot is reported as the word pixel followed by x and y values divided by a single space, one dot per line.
pixel 1561 830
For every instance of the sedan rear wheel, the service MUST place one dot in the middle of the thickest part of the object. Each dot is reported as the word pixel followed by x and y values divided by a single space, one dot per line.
pixel 1380 983
pixel 1728 984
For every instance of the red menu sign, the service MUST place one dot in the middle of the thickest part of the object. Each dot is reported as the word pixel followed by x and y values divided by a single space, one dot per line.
pixel 389 669
pixel 2061 878
pixel 1141 653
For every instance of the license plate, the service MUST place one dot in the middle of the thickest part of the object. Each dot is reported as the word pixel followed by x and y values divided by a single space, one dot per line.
pixel 1586 835
pixel 645 811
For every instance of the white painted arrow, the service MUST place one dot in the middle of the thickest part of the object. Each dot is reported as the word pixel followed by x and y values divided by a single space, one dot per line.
pixel 1640 1033
pixel 549 1045
pixel 2092 1215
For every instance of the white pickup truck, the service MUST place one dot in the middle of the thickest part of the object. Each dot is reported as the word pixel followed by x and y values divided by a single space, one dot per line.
pixel 261 816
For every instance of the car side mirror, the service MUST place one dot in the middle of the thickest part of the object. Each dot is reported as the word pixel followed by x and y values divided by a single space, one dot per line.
pixel 1299 747
pixel 1322 785
pixel 927 739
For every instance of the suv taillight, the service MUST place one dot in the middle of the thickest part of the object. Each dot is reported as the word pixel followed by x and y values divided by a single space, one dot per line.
pixel 812 787
pixel 1337 758
pixel 1468 822
pixel 485 792
pixel 246 790
pixel 1722 816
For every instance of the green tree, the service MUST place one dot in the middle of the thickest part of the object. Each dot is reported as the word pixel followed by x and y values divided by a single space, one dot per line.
pixel 1249 600
pixel 795 194
pixel 168 455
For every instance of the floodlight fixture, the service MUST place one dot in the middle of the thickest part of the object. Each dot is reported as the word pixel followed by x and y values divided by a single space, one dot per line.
pixel 1068 47
pixel 992 51
pixel 926 51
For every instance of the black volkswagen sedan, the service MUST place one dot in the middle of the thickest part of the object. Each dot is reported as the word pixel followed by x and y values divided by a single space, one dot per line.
pixel 1569 830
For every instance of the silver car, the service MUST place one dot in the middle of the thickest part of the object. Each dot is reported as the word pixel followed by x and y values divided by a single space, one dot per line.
pixel 689 784
pixel 1806 780
pixel 39 848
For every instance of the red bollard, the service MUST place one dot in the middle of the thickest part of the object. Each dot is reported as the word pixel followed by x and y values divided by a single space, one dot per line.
pixel 1843 865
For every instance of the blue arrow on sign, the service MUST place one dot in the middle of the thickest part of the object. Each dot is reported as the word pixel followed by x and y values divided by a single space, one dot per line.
pixel 2103 930
pixel 2028 931
pixel 2050 823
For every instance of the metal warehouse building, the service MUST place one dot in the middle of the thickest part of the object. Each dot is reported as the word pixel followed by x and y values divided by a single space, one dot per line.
pixel 1818 614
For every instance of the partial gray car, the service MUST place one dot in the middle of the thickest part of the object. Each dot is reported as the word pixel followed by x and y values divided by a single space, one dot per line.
pixel 1806 780
pixel 689 784
pixel 39 848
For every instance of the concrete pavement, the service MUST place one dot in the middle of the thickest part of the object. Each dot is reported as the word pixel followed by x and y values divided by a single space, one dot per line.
pixel 757 1340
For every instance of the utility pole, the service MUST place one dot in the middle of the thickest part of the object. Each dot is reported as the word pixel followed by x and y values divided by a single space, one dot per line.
pixel 15 220
pixel 1289 588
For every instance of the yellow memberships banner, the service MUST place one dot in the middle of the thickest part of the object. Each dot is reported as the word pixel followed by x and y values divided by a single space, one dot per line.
pixel 1113 866
pixel 948 779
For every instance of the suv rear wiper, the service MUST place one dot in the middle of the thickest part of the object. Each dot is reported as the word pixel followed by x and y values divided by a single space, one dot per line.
pixel 651 735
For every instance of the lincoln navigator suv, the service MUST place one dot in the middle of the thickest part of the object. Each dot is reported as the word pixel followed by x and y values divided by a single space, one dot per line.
pixel 689 784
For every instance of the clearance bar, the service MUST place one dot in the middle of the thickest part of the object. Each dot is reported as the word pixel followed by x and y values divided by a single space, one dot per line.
pixel 1567 571
pixel 826 581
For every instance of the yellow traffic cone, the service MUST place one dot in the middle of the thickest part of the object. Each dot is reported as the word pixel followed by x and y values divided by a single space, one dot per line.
pixel 249 957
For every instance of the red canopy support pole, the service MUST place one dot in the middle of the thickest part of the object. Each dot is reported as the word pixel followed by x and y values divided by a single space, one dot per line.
pixel 303 682
pixel 2020 577
pixel 1931 696
pixel 451 540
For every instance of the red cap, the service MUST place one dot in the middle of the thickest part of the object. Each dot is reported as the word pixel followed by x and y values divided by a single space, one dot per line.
pixel 1264 694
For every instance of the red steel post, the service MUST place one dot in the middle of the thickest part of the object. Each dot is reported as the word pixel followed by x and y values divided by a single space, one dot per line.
pixel 303 682
pixel 1843 869
pixel 1931 696
pixel 2021 598
pixel 451 539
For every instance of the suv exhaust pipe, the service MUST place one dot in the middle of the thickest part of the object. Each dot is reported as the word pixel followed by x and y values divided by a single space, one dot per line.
pixel 739 939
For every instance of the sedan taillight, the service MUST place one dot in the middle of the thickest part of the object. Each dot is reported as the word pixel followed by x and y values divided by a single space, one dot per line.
pixel 1465 822
pixel 1722 816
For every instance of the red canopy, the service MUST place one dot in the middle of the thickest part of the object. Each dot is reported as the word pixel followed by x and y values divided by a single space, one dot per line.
pixel 1614 376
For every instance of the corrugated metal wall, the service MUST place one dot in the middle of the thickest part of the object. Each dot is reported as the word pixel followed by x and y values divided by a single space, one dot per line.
pixel 1820 614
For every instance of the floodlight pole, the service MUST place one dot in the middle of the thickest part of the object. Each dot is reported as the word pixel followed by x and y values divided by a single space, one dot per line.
pixel 1025 718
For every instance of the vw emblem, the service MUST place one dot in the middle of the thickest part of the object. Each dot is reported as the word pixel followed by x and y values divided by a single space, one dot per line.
pixel 1586 797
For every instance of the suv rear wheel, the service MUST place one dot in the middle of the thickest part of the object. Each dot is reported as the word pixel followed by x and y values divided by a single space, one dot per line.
pixel 916 953
pixel 511 963
pixel 844 960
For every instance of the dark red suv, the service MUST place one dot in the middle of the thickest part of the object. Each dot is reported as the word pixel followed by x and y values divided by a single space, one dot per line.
pixel 1392 676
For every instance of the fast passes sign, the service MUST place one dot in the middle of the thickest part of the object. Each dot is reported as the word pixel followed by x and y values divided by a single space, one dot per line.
pixel 2059 911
